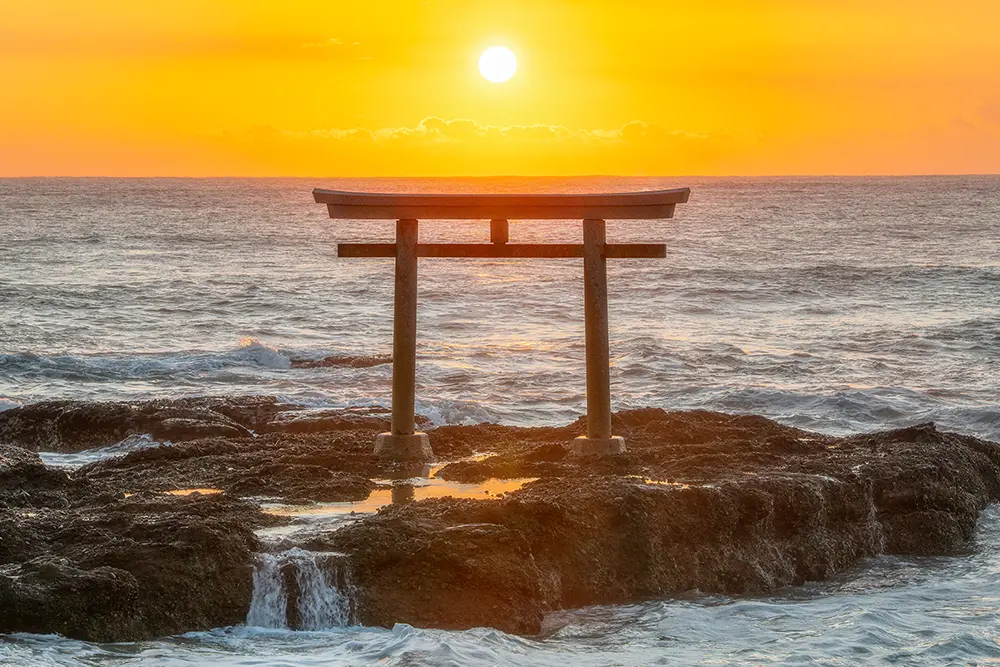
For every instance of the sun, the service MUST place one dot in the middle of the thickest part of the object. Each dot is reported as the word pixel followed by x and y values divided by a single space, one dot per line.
pixel 497 64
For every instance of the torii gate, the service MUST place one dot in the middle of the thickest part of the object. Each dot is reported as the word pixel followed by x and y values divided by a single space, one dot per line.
pixel 403 441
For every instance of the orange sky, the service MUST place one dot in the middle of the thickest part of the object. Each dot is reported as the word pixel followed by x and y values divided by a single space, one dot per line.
pixel 386 87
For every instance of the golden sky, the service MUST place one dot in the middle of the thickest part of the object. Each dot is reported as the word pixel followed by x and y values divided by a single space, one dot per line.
pixel 391 87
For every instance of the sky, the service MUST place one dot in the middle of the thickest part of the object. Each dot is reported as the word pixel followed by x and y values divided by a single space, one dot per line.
pixel 392 88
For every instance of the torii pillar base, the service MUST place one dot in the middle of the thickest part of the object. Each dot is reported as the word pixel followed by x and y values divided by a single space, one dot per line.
pixel 584 446
pixel 411 447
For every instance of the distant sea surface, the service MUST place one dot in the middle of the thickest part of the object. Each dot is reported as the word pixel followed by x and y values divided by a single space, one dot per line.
pixel 835 304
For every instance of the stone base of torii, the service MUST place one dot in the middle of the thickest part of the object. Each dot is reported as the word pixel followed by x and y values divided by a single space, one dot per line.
pixel 403 442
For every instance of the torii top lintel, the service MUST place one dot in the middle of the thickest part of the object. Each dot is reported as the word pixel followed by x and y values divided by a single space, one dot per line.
pixel 652 205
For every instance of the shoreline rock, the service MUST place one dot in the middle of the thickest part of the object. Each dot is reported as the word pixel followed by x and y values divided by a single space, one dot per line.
pixel 86 562
pixel 701 501
pixel 737 516
pixel 345 361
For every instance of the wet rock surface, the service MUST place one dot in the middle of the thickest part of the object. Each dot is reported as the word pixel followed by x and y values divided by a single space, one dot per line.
pixel 359 361
pixel 79 559
pixel 701 501
pixel 72 426
pixel 293 468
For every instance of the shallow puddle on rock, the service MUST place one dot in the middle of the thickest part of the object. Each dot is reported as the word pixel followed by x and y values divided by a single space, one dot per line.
pixel 188 492
pixel 402 492
pixel 181 492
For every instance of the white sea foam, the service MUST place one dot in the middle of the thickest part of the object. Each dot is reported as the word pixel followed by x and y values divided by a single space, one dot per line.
pixel 442 412
pixel 8 404
pixel 323 584
pixel 263 354
pixel 269 602
pixel 77 459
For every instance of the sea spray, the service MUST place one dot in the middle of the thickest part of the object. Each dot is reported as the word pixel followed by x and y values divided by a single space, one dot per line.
pixel 263 354
pixel 322 602
pixel 300 590
pixel 268 605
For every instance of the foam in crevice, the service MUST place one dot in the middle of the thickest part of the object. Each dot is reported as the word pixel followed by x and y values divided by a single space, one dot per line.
pixel 300 590
pixel 878 532
pixel 73 460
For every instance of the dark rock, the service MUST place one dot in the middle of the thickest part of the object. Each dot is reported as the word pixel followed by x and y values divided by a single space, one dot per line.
pixel 48 595
pixel 700 501
pixel 125 569
pixel 300 483
pixel 252 412
pixel 72 426
pixel 334 466
pixel 26 482
pixel 15 459
pixel 759 507
pixel 181 428
pixel 318 421
pixel 470 574
pixel 345 361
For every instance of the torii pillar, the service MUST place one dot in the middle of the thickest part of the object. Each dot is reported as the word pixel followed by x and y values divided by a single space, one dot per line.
pixel 404 442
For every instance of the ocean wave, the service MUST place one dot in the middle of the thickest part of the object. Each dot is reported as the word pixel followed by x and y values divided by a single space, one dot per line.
pixel 109 367
pixel 837 412
pixel 443 411
pixel 263 354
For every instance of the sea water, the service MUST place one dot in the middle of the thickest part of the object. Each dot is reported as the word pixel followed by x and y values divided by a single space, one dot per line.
pixel 833 304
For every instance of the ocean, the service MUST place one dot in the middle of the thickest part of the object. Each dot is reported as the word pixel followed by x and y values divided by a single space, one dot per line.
pixel 839 305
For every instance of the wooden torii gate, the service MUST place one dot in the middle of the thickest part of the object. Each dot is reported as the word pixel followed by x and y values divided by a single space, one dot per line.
pixel 403 442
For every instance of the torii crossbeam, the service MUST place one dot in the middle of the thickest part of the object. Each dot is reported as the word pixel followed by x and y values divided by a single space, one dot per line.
pixel 403 442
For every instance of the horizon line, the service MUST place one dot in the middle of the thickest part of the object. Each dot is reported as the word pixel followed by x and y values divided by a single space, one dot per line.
pixel 502 176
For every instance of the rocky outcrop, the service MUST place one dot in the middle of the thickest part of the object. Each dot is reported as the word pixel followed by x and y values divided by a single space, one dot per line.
pixel 332 465
pixel 320 421
pixel 701 501
pixel 344 361
pixel 89 563
pixel 72 426
pixel 289 467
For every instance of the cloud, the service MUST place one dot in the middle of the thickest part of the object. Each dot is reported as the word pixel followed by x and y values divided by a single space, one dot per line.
pixel 638 131
pixel 439 146
pixel 331 43
pixel 464 130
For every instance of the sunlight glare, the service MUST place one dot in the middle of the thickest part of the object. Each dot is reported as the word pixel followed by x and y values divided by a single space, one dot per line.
pixel 497 64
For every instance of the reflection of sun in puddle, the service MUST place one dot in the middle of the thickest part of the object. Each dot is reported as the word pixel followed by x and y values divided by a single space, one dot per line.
pixel 188 492
pixel 183 492
pixel 422 490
